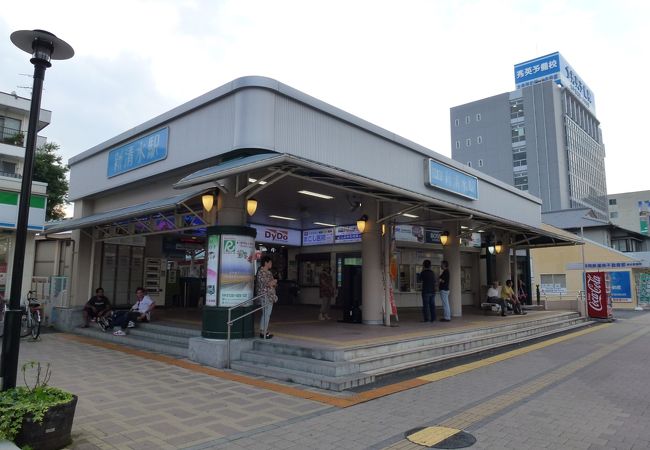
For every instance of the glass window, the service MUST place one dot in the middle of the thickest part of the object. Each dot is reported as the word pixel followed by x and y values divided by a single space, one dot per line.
pixel 469 163
pixel 518 133
pixel 517 109
pixel 467 119
pixel 468 142
pixel 612 201
pixel 479 139
pixel 480 163
pixel 457 122
pixel 8 168
pixel 553 283
pixel 613 215
pixel 457 144
pixel 478 117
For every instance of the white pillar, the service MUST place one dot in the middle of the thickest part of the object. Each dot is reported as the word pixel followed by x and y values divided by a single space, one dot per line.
pixel 231 210
pixel 503 263
pixel 372 289
pixel 451 253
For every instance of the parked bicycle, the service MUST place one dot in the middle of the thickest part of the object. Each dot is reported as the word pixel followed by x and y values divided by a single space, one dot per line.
pixel 31 320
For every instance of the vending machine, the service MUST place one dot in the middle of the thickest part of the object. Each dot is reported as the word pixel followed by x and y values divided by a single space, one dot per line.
pixel 599 303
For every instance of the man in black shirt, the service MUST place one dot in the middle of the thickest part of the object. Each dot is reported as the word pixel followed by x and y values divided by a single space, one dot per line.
pixel 97 307
pixel 428 279
pixel 444 291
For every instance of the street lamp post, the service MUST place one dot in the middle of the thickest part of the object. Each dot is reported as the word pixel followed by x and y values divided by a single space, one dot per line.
pixel 43 46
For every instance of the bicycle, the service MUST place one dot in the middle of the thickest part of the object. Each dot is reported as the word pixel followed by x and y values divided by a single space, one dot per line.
pixel 31 320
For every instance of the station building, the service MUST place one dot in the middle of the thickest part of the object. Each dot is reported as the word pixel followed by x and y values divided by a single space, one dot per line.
pixel 316 175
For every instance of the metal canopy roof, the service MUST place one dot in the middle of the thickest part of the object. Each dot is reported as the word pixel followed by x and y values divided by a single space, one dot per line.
pixel 275 169
pixel 122 221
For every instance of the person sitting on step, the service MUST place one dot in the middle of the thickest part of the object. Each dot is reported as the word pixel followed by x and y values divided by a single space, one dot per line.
pixel 140 312
pixel 509 296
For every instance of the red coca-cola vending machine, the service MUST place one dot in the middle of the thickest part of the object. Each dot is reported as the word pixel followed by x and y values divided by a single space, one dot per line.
pixel 599 303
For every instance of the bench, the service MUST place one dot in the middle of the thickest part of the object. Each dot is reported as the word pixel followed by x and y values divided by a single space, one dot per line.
pixel 493 307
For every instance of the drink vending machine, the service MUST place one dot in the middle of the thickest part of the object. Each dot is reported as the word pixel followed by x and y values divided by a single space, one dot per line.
pixel 599 303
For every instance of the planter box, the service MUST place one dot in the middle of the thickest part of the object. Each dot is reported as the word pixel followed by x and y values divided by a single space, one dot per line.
pixel 53 433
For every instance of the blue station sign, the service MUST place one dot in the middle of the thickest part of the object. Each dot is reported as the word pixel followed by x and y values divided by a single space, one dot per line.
pixel 442 176
pixel 141 152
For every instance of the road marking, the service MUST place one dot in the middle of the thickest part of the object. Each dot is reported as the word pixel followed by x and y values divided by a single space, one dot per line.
pixel 337 401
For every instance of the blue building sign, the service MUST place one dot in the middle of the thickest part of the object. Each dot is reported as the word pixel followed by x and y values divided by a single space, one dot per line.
pixel 620 286
pixel 452 180
pixel 141 152
pixel 554 67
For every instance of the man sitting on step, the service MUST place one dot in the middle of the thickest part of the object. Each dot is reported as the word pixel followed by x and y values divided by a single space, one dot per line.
pixel 509 296
pixel 493 296
pixel 140 312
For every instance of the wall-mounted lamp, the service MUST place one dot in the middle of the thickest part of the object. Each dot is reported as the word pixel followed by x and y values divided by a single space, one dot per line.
pixel 383 229
pixel 361 223
pixel 251 206
pixel 444 237
pixel 208 201
pixel 498 247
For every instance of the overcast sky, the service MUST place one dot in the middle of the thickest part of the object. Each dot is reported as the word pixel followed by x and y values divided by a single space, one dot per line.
pixel 398 64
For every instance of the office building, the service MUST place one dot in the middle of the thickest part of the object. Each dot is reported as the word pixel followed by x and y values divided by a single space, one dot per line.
pixel 543 138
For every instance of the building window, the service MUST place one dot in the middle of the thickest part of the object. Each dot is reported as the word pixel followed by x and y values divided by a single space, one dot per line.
pixel 478 117
pixel 553 283
pixel 468 142
pixel 519 159
pixel 613 215
pixel 479 139
pixel 469 163
pixel 457 144
pixel 480 163
pixel 467 119
pixel 8 168
pixel 457 122
pixel 612 201
pixel 521 180
pixel 518 133
pixel 9 129
pixel 517 109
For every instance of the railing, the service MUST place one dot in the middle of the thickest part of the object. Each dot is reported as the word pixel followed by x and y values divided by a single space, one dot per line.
pixel 10 174
pixel 565 300
pixel 12 136
pixel 231 321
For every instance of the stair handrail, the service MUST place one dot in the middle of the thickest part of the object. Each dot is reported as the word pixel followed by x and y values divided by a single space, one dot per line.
pixel 231 321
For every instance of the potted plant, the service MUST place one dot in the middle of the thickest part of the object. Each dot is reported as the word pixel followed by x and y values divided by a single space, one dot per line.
pixel 37 415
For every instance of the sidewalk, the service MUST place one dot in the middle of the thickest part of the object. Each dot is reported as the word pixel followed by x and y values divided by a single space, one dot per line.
pixel 130 402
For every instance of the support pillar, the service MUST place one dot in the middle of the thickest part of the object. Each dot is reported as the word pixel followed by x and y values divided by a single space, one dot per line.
pixel 372 290
pixel 503 263
pixel 451 253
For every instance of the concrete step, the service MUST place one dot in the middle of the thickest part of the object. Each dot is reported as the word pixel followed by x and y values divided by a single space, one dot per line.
pixel 310 365
pixel 469 345
pixel 170 329
pixel 337 384
pixel 148 342
pixel 378 373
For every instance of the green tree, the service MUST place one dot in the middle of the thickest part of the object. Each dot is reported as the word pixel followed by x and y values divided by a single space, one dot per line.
pixel 49 168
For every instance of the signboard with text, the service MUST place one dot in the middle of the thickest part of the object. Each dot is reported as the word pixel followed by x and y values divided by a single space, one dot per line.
pixel 237 271
pixel 620 286
pixel 277 235
pixel 554 67
pixel 141 152
pixel 213 270
pixel 319 236
pixel 442 176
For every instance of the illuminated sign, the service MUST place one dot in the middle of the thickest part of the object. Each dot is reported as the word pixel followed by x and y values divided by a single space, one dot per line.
pixel 276 235
pixel 452 180
pixel 141 152
pixel 320 236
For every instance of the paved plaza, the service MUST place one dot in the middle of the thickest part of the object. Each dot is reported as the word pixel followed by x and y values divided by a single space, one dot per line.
pixel 584 390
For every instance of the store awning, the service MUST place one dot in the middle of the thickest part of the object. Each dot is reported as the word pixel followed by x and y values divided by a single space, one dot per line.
pixel 140 213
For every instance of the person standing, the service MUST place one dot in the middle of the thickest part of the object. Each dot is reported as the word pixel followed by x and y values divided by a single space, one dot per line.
pixel 444 291
pixel 326 291
pixel 265 287
pixel 428 279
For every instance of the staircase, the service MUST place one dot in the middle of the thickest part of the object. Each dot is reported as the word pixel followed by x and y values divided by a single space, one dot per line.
pixel 339 369
pixel 168 339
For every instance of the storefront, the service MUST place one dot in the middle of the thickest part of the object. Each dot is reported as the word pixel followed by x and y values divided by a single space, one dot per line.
pixel 319 187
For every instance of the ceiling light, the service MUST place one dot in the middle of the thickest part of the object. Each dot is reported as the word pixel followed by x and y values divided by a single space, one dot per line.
pixel 316 194
pixel 412 216
pixel 324 224
pixel 282 217
pixel 463 227
pixel 444 237
pixel 253 180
